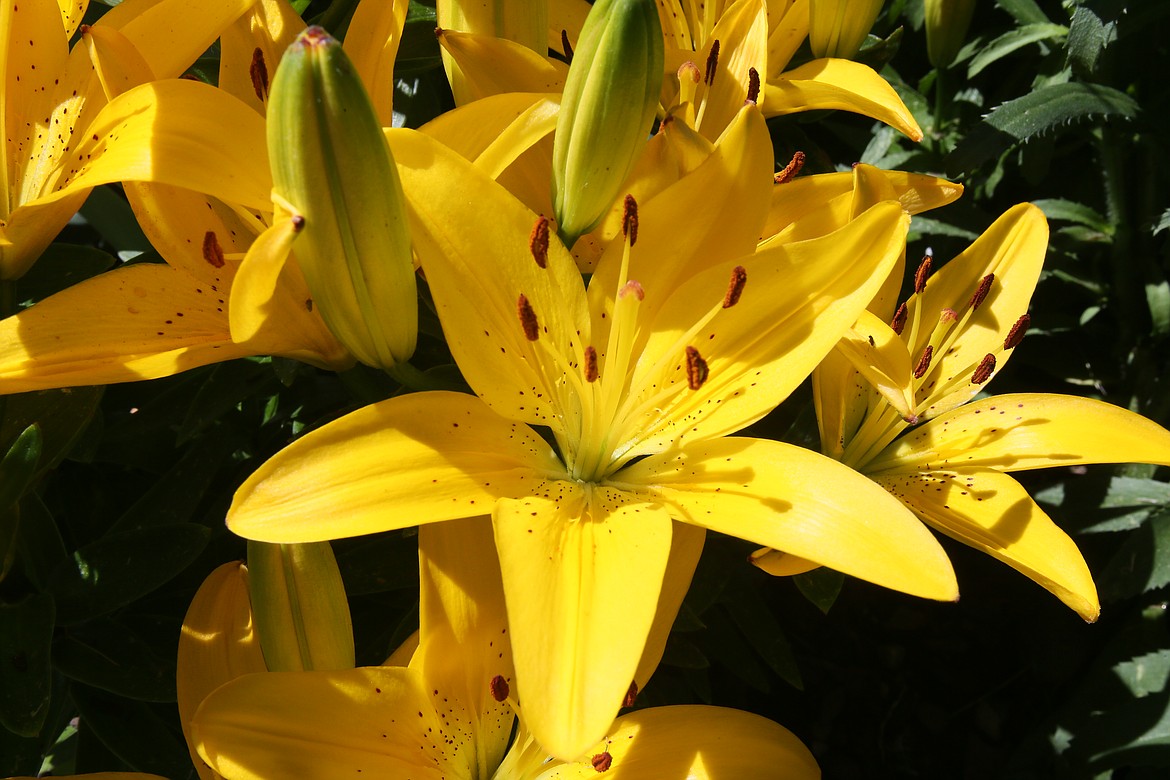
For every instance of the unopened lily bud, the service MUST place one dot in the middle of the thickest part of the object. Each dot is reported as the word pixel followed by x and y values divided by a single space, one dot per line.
pixel 609 102
pixel 299 604
pixel 946 29
pixel 837 28
pixel 332 168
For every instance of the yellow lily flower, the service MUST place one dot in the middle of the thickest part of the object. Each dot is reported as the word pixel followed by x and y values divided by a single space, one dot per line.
pixel 451 712
pixel 837 28
pixel 951 337
pixel 209 303
pixel 685 334
pixel 50 97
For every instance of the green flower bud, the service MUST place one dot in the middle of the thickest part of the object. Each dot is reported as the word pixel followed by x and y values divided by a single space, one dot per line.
pixel 332 169
pixel 610 98
pixel 298 601
pixel 837 28
pixel 946 29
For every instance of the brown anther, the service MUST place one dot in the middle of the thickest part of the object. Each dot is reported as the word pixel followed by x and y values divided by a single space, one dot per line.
pixel 690 70
pixel 499 688
pixel 790 170
pixel 735 286
pixel 602 761
pixel 632 287
pixel 712 63
pixel 899 321
pixel 1016 334
pixel 527 318
pixel 922 274
pixel 298 222
pixel 981 291
pixel 923 362
pixel 984 370
pixel 566 46
pixel 258 70
pixel 590 364
pixel 947 315
pixel 753 95
pixel 696 369
pixel 212 251
pixel 538 242
pixel 630 219
pixel 631 694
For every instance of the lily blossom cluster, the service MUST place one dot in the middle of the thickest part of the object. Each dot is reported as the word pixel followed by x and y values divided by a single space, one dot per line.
pixel 626 279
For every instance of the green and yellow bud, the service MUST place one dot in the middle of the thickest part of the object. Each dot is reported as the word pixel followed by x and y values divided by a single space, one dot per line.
pixel 837 28
pixel 608 107
pixel 946 29
pixel 299 603
pixel 333 171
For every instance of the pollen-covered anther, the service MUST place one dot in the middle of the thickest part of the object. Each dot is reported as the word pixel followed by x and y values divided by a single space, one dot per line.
pixel 499 688
pixel 566 46
pixel 689 70
pixel 632 287
pixel 538 242
pixel 527 318
pixel 631 694
pixel 1016 334
pixel 898 324
pixel 984 370
pixel 981 291
pixel 922 274
pixel 735 286
pixel 924 362
pixel 630 219
pixel 258 71
pixel 602 761
pixel 212 251
pixel 696 369
pixel 947 316
pixel 590 364
pixel 753 95
pixel 712 63
pixel 790 170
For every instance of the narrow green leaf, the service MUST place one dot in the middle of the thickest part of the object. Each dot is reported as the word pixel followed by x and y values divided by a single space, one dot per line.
pixel 1158 299
pixel 1016 39
pixel 110 215
pixel 61 266
pixel 820 586
pixel 1142 563
pixel 26 630
pixel 112 656
pixel 19 465
pixel 134 732
pixel 62 416
pixel 1146 673
pixel 1060 209
pixel 1023 11
pixel 763 633
pixel 1037 112
pixel 1087 38
pixel 42 550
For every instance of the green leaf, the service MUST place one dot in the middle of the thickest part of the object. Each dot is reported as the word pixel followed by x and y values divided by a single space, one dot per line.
pixel 683 653
pixel 1126 504
pixel 110 215
pixel 19 465
pixel 1163 223
pixel 1158 299
pixel 1087 38
pixel 226 386
pixel 1145 674
pixel 1025 117
pixel 1142 563
pixel 42 550
pixel 1070 211
pixel 1016 39
pixel 376 565
pixel 61 266
pixel 820 586
pixel 419 49
pixel 121 567
pixel 26 630
pixel 62 416
pixel 135 733
pixel 757 623
pixel 933 227
pixel 110 655
pixel 1023 11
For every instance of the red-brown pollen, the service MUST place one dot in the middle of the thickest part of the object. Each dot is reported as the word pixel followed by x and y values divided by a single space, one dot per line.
pixel 922 274
pixel 527 318
pixel 258 70
pixel 984 370
pixel 630 219
pixel 712 63
pixel 981 291
pixel 696 369
pixel 631 694
pixel 298 222
pixel 602 761
pixel 566 46
pixel 212 251
pixel 499 688
pixel 1016 334
pixel 790 170
pixel 538 242
pixel 753 95
pixel 735 286
pixel 923 362
pixel 590 364
pixel 898 324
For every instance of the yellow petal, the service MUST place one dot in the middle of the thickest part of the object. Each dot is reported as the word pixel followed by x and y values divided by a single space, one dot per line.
pixel 101 776
pixel 269 27
pixel 414 459
pixel 1028 431
pixel 841 398
pixel 991 512
pixel 218 644
pixel 876 351
pixel 686 545
pixel 742 31
pixel 379 722
pixel 72 12
pixel 582 573
pixel 30 229
pixel 470 234
pixel 789 27
pixel 372 41
pixel 492 66
pixel 781 564
pixel 839 84
pixel 117 64
pixel 696 742
pixel 797 501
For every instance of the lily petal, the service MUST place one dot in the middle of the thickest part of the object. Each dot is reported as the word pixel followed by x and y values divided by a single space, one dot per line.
pixel 1023 431
pixel 686 545
pixel 582 574
pixel 251 48
pixel 743 30
pixel 992 512
pixel 339 480
pixel 797 501
pixel 696 742
pixel 372 42
pixel 491 66
pixel 876 351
